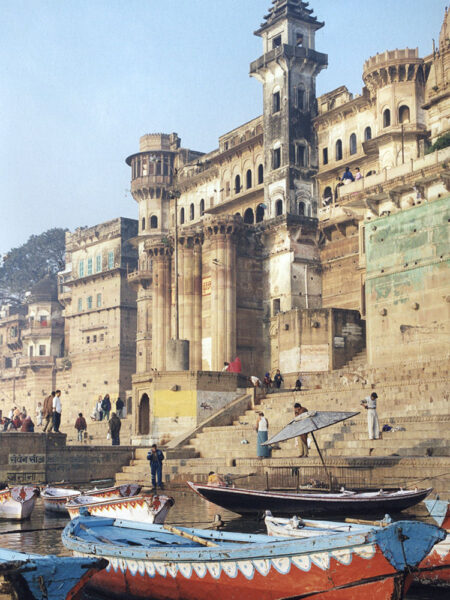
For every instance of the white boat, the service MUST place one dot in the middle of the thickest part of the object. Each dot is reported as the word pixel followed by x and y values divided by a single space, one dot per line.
pixel 18 502
pixel 55 499
pixel 126 490
pixel 300 528
pixel 146 509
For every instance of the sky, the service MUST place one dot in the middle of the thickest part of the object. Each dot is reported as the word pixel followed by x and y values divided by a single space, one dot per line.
pixel 82 80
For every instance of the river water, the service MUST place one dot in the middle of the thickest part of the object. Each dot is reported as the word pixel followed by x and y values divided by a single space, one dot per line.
pixel 42 533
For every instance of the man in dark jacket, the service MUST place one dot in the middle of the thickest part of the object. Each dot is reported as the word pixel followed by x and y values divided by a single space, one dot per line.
pixel 119 408
pixel 106 406
pixel 114 429
pixel 155 457
pixel 47 412
pixel 81 427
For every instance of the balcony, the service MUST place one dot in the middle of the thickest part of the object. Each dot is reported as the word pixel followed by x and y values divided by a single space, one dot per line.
pixel 140 276
pixel 36 361
pixel 43 329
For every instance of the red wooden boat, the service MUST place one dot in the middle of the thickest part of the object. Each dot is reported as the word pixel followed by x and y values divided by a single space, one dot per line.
pixel 435 568
pixel 147 561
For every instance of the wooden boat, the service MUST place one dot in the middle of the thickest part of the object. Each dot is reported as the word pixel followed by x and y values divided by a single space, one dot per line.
pixel 56 498
pixel 435 568
pixel 18 502
pixel 35 577
pixel 299 528
pixel 146 509
pixel 245 501
pixel 126 490
pixel 193 564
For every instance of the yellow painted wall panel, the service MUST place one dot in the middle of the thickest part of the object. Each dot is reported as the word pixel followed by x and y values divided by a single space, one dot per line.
pixel 175 404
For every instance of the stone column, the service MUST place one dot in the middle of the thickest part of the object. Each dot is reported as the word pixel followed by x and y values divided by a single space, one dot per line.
pixel 222 235
pixel 196 344
pixel 161 302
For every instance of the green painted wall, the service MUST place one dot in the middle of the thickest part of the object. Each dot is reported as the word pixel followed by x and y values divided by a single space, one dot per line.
pixel 408 284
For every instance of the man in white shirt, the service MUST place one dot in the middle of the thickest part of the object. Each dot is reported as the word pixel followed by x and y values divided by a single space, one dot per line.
pixel 370 404
pixel 57 409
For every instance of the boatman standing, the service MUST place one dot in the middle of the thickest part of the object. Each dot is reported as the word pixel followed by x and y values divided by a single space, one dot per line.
pixel 155 458
pixel 370 404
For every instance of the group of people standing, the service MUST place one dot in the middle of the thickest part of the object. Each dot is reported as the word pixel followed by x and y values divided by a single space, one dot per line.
pixel 48 416
pixel 102 409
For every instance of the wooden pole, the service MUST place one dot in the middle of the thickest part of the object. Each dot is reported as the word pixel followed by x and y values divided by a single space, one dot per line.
pixel 323 462
pixel 363 522
pixel 189 536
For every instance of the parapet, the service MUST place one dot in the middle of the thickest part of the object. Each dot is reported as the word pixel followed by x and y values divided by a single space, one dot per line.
pixel 159 141
pixel 390 57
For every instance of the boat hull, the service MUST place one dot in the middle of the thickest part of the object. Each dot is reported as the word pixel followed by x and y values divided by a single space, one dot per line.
pixel 55 499
pixel 151 509
pixel 34 577
pixel 57 504
pixel 253 580
pixel 435 568
pixel 147 561
pixel 243 501
pixel 17 503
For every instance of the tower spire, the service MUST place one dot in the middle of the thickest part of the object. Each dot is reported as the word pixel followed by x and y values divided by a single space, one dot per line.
pixel 296 9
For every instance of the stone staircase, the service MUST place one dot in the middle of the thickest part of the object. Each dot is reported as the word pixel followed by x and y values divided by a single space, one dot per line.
pixel 97 432
pixel 412 397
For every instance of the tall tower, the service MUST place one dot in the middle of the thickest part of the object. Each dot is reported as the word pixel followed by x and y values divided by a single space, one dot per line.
pixel 152 172
pixel 288 70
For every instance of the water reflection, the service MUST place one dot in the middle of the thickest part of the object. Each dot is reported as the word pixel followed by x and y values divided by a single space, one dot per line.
pixel 42 533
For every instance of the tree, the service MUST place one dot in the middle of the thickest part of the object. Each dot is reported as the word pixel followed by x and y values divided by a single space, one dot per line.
pixel 24 266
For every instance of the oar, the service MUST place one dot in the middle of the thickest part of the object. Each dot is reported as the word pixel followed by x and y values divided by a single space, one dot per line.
pixel 363 522
pixel 189 536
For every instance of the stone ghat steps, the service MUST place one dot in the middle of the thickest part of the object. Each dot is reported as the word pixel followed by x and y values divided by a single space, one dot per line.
pixel 179 469
pixel 97 433
pixel 421 409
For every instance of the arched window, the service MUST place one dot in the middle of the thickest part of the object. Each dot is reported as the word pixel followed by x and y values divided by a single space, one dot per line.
pixel 202 207
pixel 191 211
pixel 403 114
pixel 301 209
pixel 367 134
pixel 182 216
pixel 279 208
pixel 260 213
pixel 353 143
pixel 300 98
pixel 154 222
pixel 386 118
pixel 237 184
pixel 249 179
pixel 339 150
pixel 249 216
pixel 260 174
pixel 143 223
pixel 327 195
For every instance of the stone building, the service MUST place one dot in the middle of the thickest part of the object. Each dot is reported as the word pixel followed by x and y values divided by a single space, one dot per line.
pixel 99 312
pixel 77 333
pixel 254 250
pixel 33 336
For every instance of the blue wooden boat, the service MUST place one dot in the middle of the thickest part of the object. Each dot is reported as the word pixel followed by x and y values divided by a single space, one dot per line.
pixel 165 563
pixel 36 577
